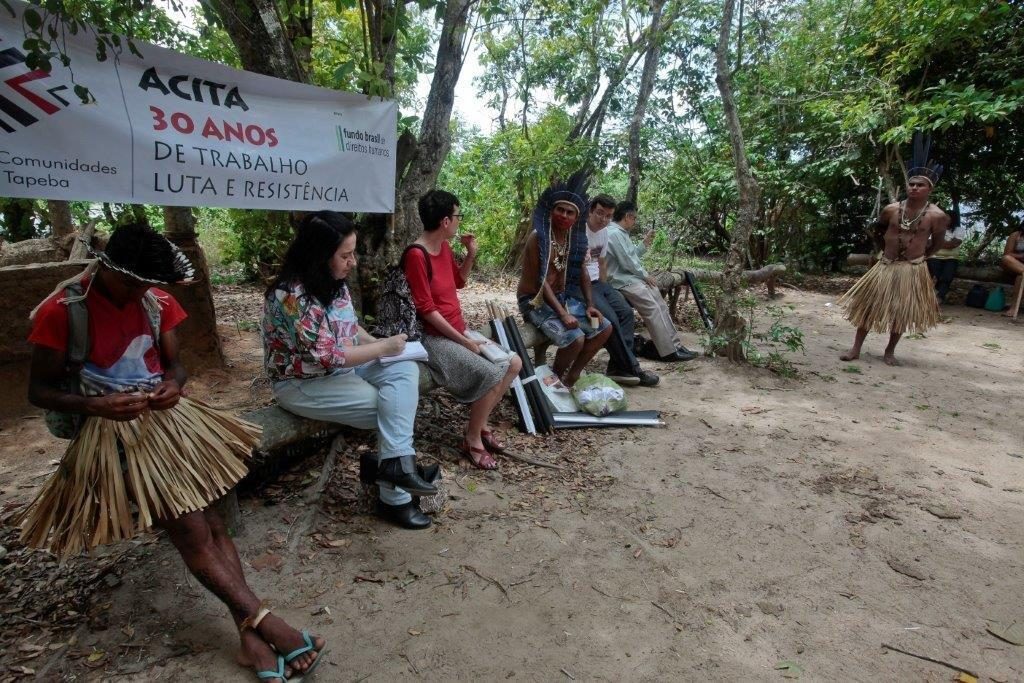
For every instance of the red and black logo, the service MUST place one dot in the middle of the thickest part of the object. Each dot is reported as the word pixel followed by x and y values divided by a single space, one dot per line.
pixel 23 108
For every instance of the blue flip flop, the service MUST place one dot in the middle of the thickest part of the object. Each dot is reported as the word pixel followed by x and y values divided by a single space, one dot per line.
pixel 278 673
pixel 299 651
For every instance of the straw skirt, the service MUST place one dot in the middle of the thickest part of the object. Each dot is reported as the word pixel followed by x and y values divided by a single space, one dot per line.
pixel 163 464
pixel 894 296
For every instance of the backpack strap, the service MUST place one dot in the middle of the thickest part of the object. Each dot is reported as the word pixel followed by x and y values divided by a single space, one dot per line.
pixel 426 259
pixel 78 328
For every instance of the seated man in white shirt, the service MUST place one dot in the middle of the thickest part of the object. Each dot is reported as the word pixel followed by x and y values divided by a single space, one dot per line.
pixel 622 363
pixel 627 274
pixel 942 265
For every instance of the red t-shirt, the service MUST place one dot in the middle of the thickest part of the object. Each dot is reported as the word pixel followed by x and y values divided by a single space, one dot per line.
pixel 122 352
pixel 439 293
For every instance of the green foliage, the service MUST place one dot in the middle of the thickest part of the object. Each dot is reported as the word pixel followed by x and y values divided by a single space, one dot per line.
pixel 260 240
pixel 497 203
pixel 777 344
pixel 21 219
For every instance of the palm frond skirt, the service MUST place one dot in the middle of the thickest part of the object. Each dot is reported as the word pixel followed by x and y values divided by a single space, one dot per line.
pixel 894 296
pixel 163 464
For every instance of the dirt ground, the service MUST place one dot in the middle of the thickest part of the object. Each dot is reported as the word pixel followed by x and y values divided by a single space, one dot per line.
pixel 774 528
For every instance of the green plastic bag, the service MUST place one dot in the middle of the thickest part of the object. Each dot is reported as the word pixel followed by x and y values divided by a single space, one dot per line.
pixel 599 395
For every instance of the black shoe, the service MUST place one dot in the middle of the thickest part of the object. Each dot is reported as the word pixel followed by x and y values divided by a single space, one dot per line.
pixel 368 470
pixel 407 516
pixel 626 378
pixel 680 354
pixel 430 473
pixel 402 473
pixel 648 378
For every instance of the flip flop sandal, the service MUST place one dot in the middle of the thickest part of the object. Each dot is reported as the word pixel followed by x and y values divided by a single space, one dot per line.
pixel 271 674
pixel 299 651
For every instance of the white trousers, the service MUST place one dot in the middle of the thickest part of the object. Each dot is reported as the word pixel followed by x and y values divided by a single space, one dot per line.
pixel 652 308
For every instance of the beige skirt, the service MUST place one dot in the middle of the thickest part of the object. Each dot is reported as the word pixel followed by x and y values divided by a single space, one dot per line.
pixel 163 464
pixel 894 296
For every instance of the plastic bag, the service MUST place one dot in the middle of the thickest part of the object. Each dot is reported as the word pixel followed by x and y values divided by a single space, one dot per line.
pixel 599 395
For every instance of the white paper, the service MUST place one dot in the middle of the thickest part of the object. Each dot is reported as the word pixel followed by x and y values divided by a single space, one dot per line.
pixel 413 351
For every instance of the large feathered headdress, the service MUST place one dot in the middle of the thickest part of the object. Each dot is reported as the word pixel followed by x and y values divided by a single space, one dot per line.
pixel 921 165
pixel 571 191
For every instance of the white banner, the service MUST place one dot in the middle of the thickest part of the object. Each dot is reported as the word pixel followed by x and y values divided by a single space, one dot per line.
pixel 174 130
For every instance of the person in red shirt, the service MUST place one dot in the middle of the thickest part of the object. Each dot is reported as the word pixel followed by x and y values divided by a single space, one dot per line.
pixel 140 443
pixel 455 362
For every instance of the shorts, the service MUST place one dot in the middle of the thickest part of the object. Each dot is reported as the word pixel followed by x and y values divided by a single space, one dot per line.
pixel 547 321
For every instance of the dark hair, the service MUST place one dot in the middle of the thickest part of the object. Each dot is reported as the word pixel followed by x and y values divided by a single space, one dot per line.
pixel 623 208
pixel 603 200
pixel 138 248
pixel 308 257
pixel 434 207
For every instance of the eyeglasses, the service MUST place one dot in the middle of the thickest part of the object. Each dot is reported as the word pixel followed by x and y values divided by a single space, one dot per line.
pixel 457 215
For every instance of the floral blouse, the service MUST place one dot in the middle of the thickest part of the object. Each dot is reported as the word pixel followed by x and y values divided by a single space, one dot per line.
pixel 302 339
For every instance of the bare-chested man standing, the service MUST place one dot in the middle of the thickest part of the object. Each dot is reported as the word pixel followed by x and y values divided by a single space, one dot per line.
pixel 896 295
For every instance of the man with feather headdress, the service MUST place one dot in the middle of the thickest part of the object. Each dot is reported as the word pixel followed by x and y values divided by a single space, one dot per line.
pixel 553 265
pixel 896 295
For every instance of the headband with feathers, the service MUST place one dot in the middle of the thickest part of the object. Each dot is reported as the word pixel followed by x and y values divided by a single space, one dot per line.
pixel 920 163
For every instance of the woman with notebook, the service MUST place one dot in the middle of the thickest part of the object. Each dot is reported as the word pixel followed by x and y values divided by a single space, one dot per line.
pixel 455 360
pixel 320 360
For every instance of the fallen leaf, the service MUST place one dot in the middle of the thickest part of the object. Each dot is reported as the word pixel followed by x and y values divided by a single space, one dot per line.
pixel 267 561
pixel 128 630
pixel 638 553
pixel 1012 633
pixel 23 670
pixel 752 410
pixel 901 567
pixel 336 542
pixel 97 655
pixel 414 632
pixel 942 511
pixel 966 678
pixel 789 669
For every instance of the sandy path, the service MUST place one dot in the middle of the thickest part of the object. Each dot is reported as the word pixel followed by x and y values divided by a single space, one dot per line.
pixel 766 523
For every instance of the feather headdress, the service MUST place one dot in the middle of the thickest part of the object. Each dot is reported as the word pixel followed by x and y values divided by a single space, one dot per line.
pixel 921 165
pixel 571 191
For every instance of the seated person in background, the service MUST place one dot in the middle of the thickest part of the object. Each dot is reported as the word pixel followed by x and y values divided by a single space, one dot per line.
pixel 1013 261
pixel 943 263
pixel 319 360
pixel 455 362
pixel 622 364
pixel 552 267
pixel 1013 253
pixel 627 274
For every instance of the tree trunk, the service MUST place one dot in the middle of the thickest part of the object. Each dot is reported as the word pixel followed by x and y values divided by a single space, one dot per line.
pixel 260 36
pixel 729 324
pixel 60 218
pixel 647 79
pixel 203 347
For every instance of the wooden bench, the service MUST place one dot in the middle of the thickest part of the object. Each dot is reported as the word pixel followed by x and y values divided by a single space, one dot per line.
pixel 673 282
